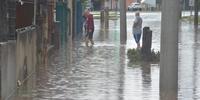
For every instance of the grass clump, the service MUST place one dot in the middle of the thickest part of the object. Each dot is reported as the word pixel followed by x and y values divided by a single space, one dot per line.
pixel 136 56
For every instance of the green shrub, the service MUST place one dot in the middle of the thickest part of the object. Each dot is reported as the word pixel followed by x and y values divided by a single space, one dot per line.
pixel 135 56
pixel 155 56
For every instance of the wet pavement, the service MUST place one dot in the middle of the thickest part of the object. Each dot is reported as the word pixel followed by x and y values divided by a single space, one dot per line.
pixel 101 72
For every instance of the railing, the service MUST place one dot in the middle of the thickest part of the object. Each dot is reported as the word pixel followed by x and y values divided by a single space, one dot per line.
pixel 25 29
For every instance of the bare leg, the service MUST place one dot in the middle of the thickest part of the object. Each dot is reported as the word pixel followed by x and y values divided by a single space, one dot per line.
pixel 92 42
pixel 138 45
pixel 86 41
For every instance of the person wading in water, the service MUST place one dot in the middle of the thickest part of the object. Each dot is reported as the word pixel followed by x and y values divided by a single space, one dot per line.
pixel 137 28
pixel 89 28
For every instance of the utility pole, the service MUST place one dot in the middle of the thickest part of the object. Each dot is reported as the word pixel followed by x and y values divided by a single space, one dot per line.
pixel 106 14
pixel 191 4
pixel 181 8
pixel 111 4
pixel 102 4
pixel 169 50
pixel 196 12
pixel 35 12
pixel 116 5
pixel 123 34
pixel 102 12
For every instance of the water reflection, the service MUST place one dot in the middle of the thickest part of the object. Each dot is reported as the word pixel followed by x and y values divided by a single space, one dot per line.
pixel 146 80
pixel 189 69
pixel 122 63
pixel 196 65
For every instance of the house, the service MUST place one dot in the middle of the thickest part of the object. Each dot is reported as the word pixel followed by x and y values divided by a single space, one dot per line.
pixel 128 2
pixel 148 4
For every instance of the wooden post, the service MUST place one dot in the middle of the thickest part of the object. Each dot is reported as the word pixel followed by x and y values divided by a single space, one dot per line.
pixel 146 43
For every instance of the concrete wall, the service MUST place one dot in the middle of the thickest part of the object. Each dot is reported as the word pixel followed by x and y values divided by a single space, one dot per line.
pixel 7 49
pixel 8 68
pixel 18 58
pixel 17 61
pixel 26 54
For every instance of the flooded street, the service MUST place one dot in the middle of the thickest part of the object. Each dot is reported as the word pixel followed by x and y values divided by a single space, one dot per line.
pixel 102 72
pixel 189 62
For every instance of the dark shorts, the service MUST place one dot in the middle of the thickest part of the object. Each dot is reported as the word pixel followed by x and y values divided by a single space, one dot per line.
pixel 90 34
pixel 137 37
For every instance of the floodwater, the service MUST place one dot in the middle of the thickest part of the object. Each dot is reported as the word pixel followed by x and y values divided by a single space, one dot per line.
pixel 189 62
pixel 102 72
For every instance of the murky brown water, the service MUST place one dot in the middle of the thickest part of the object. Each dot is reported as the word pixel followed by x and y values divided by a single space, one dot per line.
pixel 101 72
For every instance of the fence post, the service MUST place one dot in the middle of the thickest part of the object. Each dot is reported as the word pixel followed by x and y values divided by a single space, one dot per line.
pixel 146 43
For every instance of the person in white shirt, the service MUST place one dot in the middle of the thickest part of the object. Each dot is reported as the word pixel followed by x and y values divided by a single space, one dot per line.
pixel 137 28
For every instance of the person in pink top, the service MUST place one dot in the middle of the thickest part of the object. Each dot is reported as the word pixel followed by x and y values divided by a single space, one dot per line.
pixel 89 28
